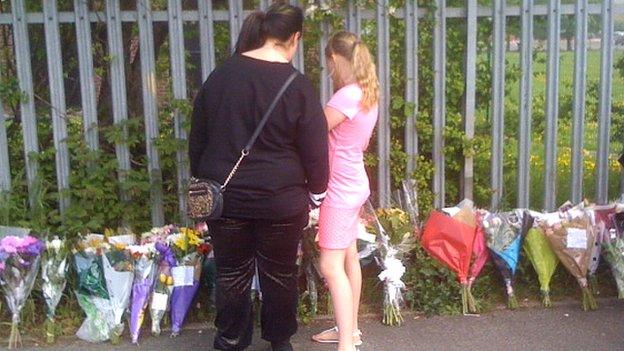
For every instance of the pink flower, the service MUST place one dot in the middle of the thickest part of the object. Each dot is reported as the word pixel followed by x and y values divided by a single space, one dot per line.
pixel 10 243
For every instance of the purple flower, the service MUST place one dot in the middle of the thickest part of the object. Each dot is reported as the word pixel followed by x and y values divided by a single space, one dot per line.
pixel 34 248
pixel 166 254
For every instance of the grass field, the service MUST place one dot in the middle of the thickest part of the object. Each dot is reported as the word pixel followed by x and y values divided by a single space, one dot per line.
pixel 566 72
pixel 566 88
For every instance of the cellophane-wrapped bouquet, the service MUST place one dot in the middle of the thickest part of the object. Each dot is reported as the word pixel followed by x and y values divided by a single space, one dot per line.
pixel 189 249
pixel 54 279
pixel 613 245
pixel 19 265
pixel 144 257
pixel 91 291
pixel 163 286
pixel 119 274
pixel 395 238
pixel 573 241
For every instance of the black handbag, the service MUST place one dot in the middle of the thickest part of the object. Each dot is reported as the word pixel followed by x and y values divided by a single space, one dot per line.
pixel 205 196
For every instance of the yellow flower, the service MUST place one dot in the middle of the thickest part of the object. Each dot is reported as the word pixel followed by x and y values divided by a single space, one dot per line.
pixel 192 235
pixel 181 243
pixel 120 246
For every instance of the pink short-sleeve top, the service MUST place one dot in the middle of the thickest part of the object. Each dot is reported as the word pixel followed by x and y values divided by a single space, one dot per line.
pixel 348 185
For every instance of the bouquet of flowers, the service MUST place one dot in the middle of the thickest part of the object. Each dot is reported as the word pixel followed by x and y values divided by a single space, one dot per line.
pixel 307 260
pixel 614 254
pixel 144 257
pixel 163 286
pixel 188 249
pixel 450 240
pixel 572 242
pixel 54 275
pixel 157 235
pixel 119 274
pixel 91 291
pixel 465 213
pixel 504 233
pixel 19 264
pixel 395 238
pixel 543 259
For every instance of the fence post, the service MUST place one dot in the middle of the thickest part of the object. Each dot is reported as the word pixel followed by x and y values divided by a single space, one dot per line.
pixel 526 102
pixel 552 104
pixel 235 10
pixel 299 59
pixel 150 109
pixel 326 82
pixel 604 120
pixel 498 102
pixel 5 167
pixel 411 83
pixel 469 102
pixel 354 17
pixel 439 101
pixel 178 76
pixel 118 87
pixel 383 131
pixel 580 67
pixel 85 64
pixel 27 102
pixel 206 37
pixel 57 99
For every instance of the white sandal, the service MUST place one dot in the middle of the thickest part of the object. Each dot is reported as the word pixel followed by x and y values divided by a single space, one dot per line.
pixel 330 336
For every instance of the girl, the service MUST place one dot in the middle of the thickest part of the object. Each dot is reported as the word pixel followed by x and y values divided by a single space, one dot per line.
pixel 351 117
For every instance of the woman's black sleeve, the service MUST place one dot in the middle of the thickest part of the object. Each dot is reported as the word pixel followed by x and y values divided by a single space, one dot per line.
pixel 312 140
pixel 198 138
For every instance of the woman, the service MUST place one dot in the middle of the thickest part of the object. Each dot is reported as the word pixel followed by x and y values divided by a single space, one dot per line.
pixel 267 201
pixel 351 117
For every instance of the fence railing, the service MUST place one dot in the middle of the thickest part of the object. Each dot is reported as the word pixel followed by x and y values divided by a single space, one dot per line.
pixel 205 16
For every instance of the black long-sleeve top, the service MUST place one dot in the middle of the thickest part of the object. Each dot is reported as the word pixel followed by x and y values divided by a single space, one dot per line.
pixel 288 159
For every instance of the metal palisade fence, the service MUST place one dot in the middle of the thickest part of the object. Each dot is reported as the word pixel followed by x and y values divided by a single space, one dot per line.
pixel 354 14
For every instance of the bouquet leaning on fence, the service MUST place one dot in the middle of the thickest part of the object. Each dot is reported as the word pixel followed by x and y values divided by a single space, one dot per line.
pixel 119 274
pixel 144 257
pixel 543 260
pixel 573 241
pixel 613 246
pixel 54 276
pixel 450 241
pixel 163 286
pixel 19 264
pixel 395 238
pixel 189 250
pixel 504 233
pixel 91 291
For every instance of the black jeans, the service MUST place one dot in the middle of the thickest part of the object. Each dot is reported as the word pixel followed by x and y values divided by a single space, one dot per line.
pixel 240 244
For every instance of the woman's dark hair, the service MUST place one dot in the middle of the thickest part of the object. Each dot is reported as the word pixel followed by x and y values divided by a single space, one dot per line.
pixel 280 22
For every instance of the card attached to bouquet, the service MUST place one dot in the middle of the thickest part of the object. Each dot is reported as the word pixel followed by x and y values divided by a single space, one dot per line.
pixel 159 301
pixel 576 238
pixel 183 275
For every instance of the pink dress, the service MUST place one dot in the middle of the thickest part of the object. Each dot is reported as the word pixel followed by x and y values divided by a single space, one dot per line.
pixel 348 186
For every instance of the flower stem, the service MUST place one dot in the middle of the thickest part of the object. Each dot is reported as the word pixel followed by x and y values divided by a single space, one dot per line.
pixel 546 298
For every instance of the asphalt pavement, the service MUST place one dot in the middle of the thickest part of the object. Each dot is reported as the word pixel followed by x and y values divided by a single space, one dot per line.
pixel 564 327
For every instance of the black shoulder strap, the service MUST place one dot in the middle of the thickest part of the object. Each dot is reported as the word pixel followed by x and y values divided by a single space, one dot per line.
pixel 256 133
pixel 268 112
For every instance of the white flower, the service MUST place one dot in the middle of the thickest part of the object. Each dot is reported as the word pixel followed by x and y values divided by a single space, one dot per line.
pixel 325 6
pixel 391 10
pixel 55 244
pixel 310 10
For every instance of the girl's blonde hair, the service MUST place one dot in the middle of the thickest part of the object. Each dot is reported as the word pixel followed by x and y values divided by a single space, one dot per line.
pixel 347 45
